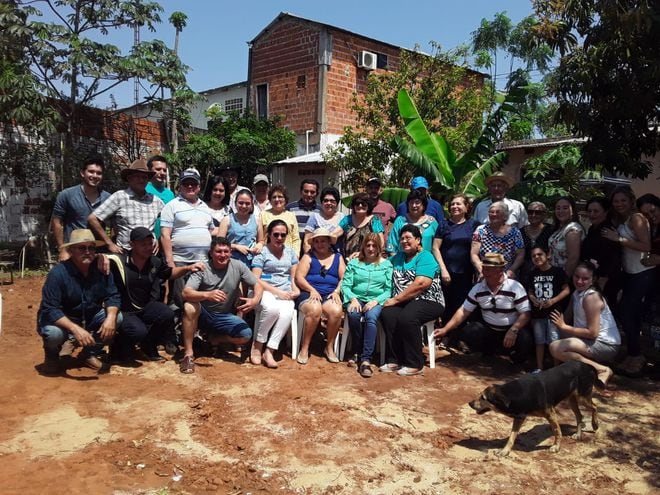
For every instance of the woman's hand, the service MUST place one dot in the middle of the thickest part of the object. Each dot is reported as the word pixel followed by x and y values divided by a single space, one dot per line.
pixel 334 297
pixel 257 248
pixel 610 233
pixel 354 306
pixel 446 278
pixel 557 318
pixel 244 250
pixel 369 306
pixel 439 333
pixel 314 295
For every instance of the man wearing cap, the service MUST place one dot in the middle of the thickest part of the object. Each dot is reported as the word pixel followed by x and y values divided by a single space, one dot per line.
pixel 505 313
pixel 78 300
pixel 434 208
pixel 74 204
pixel 260 188
pixel 498 185
pixel 186 225
pixel 139 277
pixel 211 297
pixel 129 208
pixel 382 208
pixel 305 206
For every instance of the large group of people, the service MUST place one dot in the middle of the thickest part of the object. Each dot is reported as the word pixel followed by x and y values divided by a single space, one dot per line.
pixel 235 265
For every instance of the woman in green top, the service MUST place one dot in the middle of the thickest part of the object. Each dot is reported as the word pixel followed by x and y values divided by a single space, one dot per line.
pixel 367 284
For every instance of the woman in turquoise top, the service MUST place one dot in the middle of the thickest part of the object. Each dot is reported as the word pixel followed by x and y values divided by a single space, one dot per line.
pixel 366 286
pixel 427 225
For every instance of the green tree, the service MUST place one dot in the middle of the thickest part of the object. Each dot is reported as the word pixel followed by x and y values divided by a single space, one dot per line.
pixel 205 152
pixel 72 67
pixel 450 98
pixel 607 84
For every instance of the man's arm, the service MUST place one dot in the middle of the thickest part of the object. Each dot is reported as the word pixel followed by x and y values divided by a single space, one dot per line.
pixel 95 224
pixel 459 317
pixel 166 242
pixel 57 227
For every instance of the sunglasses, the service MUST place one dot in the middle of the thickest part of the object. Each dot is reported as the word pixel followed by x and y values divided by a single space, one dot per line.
pixel 493 302
pixel 278 235
pixel 535 212
pixel 361 203
pixel 323 271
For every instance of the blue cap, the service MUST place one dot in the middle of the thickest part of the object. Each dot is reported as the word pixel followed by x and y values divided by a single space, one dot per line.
pixel 419 182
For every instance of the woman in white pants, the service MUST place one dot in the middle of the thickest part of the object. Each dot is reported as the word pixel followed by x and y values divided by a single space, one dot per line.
pixel 276 267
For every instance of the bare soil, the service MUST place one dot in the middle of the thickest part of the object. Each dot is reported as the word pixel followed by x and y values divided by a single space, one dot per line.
pixel 235 428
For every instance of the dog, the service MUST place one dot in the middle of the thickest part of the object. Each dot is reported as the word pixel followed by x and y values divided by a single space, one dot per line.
pixel 538 394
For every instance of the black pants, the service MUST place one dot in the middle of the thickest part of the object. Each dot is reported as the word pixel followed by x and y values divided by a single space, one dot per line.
pixel 145 327
pixel 456 292
pixel 480 337
pixel 402 325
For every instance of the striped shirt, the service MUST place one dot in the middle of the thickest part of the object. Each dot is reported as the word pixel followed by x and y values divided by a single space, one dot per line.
pixel 500 310
pixel 126 211
pixel 191 226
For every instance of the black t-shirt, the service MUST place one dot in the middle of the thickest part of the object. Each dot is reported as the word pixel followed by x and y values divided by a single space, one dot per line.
pixel 545 285
pixel 138 288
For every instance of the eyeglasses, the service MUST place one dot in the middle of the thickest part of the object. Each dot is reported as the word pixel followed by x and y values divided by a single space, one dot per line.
pixel 329 200
pixel 189 184
pixel 535 212
pixel 278 235
pixel 90 249
pixel 277 197
pixel 407 238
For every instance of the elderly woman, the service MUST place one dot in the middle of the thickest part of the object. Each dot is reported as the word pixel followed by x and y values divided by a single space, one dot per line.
pixel 534 234
pixel 593 337
pixel 416 298
pixel 604 253
pixel 359 224
pixel 633 233
pixel 276 267
pixel 278 199
pixel 451 248
pixel 366 286
pixel 498 237
pixel 417 202
pixel 318 276
pixel 241 229
pixel 328 218
pixel 564 243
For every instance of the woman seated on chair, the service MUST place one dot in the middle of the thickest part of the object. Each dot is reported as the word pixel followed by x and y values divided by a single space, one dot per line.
pixel 367 284
pixel 416 298
pixel 318 276
pixel 276 267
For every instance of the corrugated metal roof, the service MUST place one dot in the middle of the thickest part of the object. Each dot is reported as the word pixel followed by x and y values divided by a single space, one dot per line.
pixel 315 157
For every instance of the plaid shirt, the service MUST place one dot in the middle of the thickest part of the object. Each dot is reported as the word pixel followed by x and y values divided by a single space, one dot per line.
pixel 127 211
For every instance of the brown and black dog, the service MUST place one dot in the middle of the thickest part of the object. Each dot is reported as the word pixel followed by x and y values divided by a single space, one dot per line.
pixel 537 395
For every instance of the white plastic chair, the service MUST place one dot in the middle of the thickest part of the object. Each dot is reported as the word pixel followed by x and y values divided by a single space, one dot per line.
pixel 297 331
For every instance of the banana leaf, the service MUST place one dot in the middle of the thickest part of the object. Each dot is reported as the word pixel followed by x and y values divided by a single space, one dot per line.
pixel 473 184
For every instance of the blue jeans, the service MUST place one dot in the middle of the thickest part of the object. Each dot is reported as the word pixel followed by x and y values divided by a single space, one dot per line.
pixel 224 323
pixel 54 337
pixel 364 337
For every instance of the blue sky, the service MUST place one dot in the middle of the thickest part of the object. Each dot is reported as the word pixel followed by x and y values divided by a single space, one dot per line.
pixel 214 43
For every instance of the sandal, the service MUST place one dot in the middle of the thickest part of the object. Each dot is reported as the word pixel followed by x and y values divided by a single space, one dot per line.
pixel 365 370
pixel 187 365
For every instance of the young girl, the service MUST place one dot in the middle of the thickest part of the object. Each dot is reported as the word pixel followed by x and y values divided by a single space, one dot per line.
pixel 547 290
pixel 593 337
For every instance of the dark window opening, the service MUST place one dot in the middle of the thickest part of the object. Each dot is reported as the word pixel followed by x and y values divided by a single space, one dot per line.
pixel 381 61
pixel 301 82
pixel 262 101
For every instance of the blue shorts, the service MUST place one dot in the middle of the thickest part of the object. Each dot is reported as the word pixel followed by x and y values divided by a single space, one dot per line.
pixel 224 324
pixel 545 332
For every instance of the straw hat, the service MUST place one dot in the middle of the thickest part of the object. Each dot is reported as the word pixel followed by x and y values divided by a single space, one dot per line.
pixel 493 259
pixel 320 232
pixel 501 177
pixel 82 236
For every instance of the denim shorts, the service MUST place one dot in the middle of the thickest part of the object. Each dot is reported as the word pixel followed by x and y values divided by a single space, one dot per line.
pixel 545 332
pixel 224 323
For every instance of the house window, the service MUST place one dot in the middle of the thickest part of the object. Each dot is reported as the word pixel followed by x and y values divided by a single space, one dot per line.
pixel 262 101
pixel 301 82
pixel 234 105
pixel 381 61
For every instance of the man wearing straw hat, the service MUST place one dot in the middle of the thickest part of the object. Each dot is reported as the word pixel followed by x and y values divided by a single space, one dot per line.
pixel 498 185
pixel 129 208
pixel 505 313
pixel 78 300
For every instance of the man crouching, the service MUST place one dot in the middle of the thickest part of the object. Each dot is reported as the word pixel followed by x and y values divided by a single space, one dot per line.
pixel 211 296
pixel 78 300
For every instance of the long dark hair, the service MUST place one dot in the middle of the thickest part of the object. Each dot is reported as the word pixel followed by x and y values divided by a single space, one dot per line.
pixel 278 222
pixel 211 183
pixel 574 212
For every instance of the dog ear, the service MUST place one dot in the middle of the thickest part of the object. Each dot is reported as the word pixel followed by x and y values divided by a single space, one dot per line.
pixel 496 397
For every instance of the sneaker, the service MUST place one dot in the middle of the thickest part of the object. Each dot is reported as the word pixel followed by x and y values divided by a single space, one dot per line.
pixel 405 371
pixel 536 371
pixel 152 354
pixel 388 368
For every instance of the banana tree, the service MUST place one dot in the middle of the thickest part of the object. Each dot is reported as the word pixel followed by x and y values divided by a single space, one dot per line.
pixel 433 157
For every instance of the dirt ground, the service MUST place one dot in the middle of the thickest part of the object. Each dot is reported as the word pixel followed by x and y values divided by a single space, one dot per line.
pixel 235 428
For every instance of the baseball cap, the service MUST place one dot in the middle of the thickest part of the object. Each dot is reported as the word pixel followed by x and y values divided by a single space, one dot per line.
pixel 260 178
pixel 419 182
pixel 190 173
pixel 374 180
pixel 139 233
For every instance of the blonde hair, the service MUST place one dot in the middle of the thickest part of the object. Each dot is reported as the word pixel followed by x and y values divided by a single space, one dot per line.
pixel 370 237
